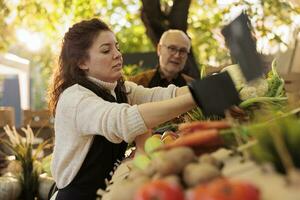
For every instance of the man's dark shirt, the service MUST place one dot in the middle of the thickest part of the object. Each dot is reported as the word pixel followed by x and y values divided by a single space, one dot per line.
pixel 158 80
pixel 152 78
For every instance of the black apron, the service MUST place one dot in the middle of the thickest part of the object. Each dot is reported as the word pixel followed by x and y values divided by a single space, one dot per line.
pixel 100 159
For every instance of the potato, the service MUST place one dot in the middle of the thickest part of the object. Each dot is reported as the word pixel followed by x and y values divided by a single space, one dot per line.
pixel 163 166
pixel 207 158
pixel 195 173
pixel 181 156
pixel 173 161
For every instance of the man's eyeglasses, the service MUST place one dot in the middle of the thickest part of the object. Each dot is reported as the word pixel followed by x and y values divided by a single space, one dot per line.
pixel 173 50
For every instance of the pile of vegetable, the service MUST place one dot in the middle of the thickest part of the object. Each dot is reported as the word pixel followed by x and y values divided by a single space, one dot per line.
pixel 183 165
pixel 177 174
pixel 264 91
pixel 178 165
pixel 276 140
pixel 182 169
pixel 199 136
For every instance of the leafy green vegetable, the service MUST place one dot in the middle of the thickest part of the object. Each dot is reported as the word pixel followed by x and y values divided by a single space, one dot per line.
pixel 276 84
pixel 274 98
pixel 277 141
pixel 263 100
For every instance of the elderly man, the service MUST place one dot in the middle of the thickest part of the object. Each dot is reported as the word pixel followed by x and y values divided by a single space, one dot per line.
pixel 172 50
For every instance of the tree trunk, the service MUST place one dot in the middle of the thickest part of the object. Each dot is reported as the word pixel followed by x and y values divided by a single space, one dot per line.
pixel 158 20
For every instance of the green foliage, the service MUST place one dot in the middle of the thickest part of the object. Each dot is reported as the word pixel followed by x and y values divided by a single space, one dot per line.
pixel 53 18
pixel 206 19
pixel 5 36
pixel 131 70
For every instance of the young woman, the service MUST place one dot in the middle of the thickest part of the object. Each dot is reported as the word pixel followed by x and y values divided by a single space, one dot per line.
pixel 97 113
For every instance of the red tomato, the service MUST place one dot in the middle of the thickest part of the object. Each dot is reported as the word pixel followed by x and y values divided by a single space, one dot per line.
pixel 246 191
pixel 223 189
pixel 159 190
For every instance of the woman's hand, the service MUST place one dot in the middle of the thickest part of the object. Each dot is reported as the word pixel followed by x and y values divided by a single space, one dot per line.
pixel 238 113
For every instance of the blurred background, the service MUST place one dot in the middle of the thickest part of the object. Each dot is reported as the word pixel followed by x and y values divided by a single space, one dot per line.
pixel 31 32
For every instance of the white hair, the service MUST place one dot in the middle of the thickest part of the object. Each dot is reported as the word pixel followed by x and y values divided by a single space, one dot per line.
pixel 165 34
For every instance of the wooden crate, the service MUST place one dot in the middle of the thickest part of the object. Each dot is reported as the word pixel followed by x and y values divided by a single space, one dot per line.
pixel 7 116
pixel 292 87
pixel 292 82
pixel 41 123
pixel 37 118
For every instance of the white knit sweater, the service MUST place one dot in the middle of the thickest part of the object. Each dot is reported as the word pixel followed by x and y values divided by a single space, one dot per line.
pixel 80 114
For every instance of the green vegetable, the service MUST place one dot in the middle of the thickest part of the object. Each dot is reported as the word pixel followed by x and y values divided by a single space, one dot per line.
pixel 278 143
pixel 275 141
pixel 151 144
pixel 265 100
pixel 255 88
pixel 276 84
pixel 141 161
pixel 267 94
pixel 196 114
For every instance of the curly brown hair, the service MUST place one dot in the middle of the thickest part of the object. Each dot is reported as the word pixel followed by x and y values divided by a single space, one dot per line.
pixel 74 51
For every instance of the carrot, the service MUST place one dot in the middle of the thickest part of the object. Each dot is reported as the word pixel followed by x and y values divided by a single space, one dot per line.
pixel 207 138
pixel 200 125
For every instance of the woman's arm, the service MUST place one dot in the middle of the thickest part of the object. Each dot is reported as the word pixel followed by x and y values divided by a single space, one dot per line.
pixel 140 141
pixel 155 113
pixel 182 90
